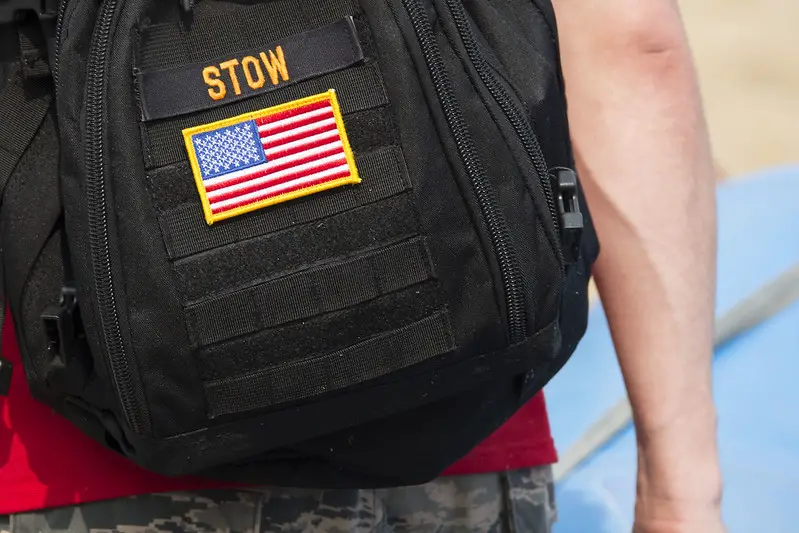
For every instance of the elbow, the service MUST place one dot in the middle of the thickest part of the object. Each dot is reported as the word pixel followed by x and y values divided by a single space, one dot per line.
pixel 622 42
pixel 660 38
pixel 653 34
pixel 623 32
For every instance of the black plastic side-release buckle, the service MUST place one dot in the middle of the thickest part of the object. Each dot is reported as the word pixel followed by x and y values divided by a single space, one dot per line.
pixel 59 325
pixel 66 344
pixel 571 217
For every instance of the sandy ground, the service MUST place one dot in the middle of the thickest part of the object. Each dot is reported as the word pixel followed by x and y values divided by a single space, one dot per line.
pixel 747 54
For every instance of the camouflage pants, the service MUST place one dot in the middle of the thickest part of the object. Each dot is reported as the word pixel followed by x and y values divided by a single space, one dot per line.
pixel 510 502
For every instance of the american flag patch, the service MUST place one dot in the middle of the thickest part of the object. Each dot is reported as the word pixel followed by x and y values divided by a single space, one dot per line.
pixel 270 156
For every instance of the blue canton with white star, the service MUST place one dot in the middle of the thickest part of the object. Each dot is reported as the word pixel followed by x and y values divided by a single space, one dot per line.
pixel 228 149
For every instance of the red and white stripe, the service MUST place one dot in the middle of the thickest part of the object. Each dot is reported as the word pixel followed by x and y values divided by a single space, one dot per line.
pixel 303 148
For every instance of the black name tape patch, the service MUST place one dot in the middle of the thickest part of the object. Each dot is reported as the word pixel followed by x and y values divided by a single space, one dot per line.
pixel 191 88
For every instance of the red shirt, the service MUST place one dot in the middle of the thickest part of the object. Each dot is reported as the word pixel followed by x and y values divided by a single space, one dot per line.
pixel 46 462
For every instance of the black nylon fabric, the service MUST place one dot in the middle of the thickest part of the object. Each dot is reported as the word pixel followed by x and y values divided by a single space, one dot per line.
pixel 327 333
pixel 23 106
pixel 25 98
pixel 236 265
pixel 526 213
pixel 317 290
pixel 370 359
pixel 79 17
pixel 31 253
pixel 26 233
pixel 361 336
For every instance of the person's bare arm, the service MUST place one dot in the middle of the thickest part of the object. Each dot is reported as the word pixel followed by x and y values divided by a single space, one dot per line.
pixel 645 162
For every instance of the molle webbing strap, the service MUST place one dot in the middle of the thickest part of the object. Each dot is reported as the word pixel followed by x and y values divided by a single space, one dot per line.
pixel 323 289
pixel 244 263
pixel 321 334
pixel 361 362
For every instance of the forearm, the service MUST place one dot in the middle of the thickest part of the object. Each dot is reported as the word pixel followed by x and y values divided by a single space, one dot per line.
pixel 644 158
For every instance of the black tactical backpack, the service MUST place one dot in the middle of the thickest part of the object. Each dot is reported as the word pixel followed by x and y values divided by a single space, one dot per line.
pixel 327 243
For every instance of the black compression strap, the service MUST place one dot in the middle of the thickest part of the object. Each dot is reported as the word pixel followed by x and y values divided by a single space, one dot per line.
pixel 359 363
pixel 23 106
pixel 319 290
pixel 186 233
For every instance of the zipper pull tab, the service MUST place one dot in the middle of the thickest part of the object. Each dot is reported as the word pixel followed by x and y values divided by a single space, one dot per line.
pixel 187 5
pixel 5 376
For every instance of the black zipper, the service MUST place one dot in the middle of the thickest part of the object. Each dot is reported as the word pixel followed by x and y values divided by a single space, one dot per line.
pixel 514 115
pixel 97 205
pixel 492 216
pixel 59 26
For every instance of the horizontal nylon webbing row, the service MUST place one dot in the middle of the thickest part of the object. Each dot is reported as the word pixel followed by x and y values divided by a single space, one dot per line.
pixel 367 360
pixel 319 290
pixel 186 232
pixel 358 89
pixel 245 263
pixel 317 335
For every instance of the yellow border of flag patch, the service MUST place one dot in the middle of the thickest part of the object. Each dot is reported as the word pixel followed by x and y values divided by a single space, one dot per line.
pixel 352 179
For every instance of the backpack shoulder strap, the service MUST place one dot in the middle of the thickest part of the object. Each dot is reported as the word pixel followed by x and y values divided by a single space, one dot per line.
pixel 25 98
